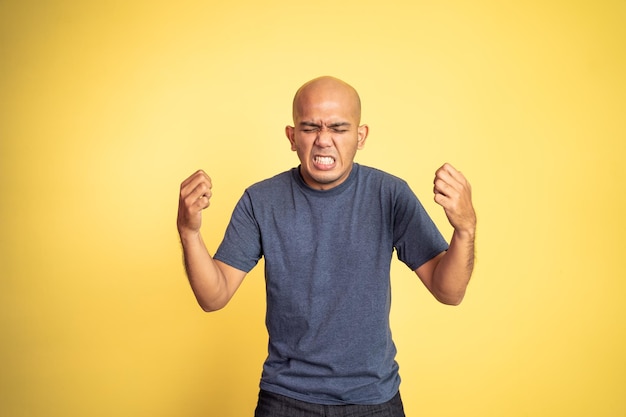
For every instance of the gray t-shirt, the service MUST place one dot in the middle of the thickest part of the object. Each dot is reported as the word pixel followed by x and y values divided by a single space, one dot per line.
pixel 327 268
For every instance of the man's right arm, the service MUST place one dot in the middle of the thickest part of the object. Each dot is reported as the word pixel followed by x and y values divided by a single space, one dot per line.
pixel 213 282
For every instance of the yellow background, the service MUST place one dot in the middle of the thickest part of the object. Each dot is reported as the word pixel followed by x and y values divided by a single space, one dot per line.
pixel 105 107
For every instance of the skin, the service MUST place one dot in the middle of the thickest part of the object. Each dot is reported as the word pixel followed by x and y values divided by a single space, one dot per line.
pixel 326 136
pixel 326 133
pixel 447 275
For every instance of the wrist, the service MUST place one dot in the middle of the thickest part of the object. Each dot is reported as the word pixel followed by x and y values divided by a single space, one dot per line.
pixel 189 236
pixel 467 235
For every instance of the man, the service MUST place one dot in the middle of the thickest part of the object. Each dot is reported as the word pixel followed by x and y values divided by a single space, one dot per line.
pixel 327 231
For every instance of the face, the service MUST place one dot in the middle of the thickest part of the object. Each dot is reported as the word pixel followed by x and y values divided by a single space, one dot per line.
pixel 326 133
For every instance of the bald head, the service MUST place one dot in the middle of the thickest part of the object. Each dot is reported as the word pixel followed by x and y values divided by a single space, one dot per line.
pixel 326 88
pixel 327 132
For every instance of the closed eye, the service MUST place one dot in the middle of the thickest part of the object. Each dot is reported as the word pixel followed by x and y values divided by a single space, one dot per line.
pixel 309 127
pixel 339 127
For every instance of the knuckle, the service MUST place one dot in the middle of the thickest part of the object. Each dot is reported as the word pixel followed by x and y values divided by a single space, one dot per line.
pixel 203 188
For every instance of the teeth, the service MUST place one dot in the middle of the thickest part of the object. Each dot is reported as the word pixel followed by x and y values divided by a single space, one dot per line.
pixel 324 160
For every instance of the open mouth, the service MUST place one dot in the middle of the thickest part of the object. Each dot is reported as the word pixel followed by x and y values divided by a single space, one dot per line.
pixel 324 161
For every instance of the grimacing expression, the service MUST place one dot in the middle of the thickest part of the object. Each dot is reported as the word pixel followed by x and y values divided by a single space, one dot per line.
pixel 326 132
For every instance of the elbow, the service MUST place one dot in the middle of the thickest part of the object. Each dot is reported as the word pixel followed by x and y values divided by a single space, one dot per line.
pixel 209 308
pixel 212 305
pixel 451 301
pixel 450 298
pixel 451 291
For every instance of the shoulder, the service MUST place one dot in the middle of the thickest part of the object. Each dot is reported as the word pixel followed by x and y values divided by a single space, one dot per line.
pixel 278 181
pixel 384 179
pixel 271 190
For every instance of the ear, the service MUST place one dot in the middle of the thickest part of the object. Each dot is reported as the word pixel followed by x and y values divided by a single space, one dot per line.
pixel 289 131
pixel 362 133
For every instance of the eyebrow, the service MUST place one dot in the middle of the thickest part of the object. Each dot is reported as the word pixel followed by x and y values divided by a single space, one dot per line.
pixel 339 124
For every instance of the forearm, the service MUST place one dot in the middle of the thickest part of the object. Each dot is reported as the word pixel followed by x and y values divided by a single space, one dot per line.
pixel 453 269
pixel 207 280
pixel 452 274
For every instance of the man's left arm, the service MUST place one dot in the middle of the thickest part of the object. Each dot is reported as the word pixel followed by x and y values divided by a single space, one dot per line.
pixel 447 275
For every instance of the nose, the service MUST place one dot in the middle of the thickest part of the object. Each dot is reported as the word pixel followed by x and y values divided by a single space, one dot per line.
pixel 324 138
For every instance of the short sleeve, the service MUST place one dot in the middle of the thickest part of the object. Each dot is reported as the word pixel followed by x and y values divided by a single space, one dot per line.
pixel 416 237
pixel 241 246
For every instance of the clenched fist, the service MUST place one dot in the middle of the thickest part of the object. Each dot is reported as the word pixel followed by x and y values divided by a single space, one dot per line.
pixel 454 193
pixel 195 196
